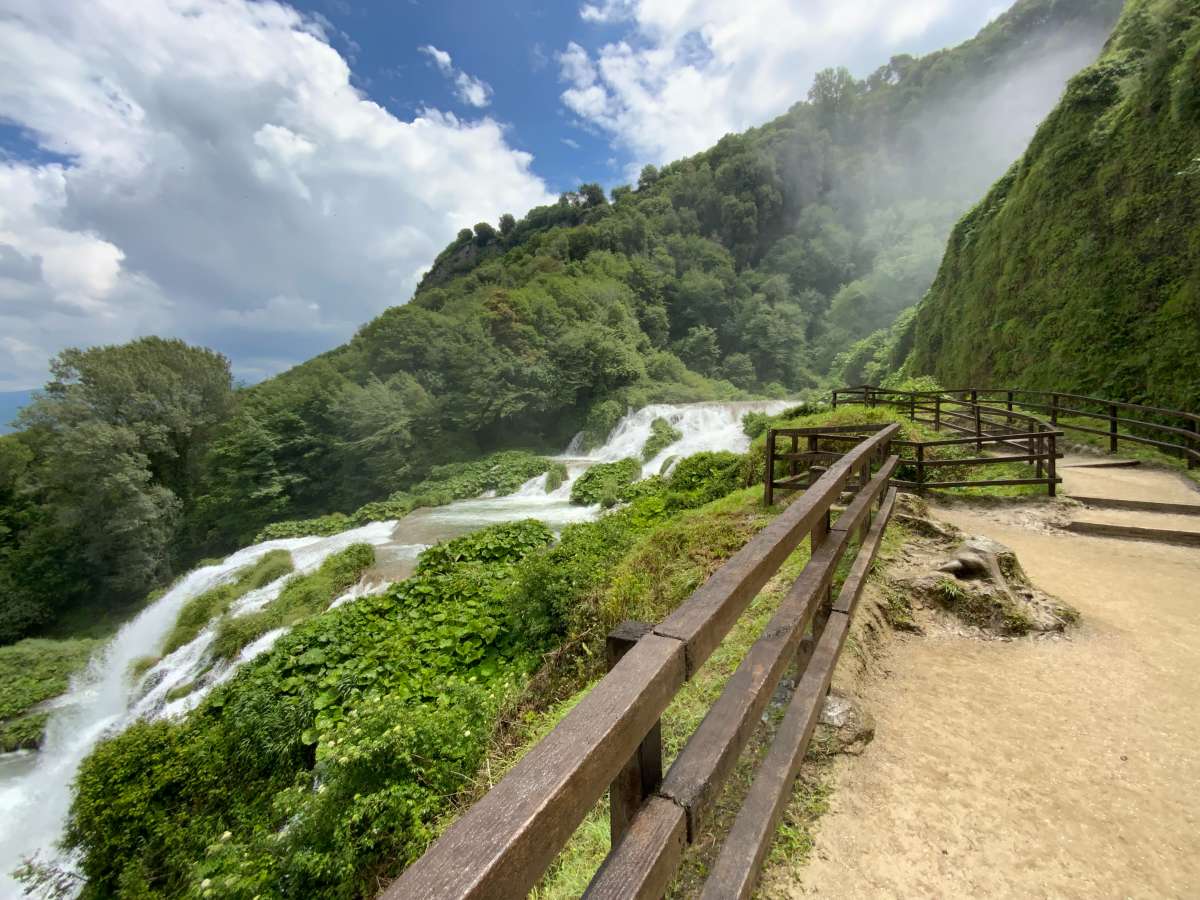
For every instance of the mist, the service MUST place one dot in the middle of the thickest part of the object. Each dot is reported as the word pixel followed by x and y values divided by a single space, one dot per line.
pixel 919 152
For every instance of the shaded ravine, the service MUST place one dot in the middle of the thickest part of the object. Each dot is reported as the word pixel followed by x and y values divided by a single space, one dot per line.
pixel 35 788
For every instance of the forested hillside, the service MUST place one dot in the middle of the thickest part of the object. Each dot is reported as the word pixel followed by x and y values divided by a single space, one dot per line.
pixel 748 269
pixel 1080 270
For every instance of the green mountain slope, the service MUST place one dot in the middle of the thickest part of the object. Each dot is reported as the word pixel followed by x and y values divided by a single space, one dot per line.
pixel 745 268
pixel 1081 268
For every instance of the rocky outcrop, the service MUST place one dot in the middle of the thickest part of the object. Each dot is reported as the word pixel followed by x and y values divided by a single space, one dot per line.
pixel 977 580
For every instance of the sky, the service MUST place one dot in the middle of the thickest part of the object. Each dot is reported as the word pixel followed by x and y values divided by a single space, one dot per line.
pixel 264 178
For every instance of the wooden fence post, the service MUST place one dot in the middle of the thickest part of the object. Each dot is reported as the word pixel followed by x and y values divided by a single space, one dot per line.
pixel 1041 450
pixel 937 412
pixel 1008 418
pixel 816 537
pixel 1054 409
pixel 912 406
pixel 978 429
pixel 920 468
pixel 642 775
pixel 1191 424
pixel 1052 466
pixel 1112 429
pixel 769 481
pixel 835 393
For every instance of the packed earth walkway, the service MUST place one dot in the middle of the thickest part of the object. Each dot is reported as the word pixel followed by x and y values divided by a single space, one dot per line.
pixel 1052 767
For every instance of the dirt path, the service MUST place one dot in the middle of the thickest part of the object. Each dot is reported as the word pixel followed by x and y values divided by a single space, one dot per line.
pixel 1034 768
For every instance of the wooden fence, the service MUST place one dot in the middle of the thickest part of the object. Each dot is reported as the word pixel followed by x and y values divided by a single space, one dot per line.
pixel 983 426
pixel 1172 431
pixel 609 742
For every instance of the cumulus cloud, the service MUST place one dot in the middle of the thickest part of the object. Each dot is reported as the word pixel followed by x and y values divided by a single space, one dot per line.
pixel 469 89
pixel 219 179
pixel 689 71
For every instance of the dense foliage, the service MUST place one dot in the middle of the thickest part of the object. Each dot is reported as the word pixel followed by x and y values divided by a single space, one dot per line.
pixel 662 435
pixel 95 489
pixel 31 672
pixel 604 482
pixel 328 761
pixel 1081 269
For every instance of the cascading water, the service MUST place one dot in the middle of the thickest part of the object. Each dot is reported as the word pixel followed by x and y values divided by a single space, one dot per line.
pixel 35 790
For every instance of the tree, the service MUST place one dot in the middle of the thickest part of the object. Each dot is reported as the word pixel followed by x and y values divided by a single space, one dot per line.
pixel 484 234
pixel 507 224
pixel 833 93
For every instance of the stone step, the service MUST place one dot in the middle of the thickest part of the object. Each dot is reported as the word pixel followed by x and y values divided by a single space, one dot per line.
pixel 1136 533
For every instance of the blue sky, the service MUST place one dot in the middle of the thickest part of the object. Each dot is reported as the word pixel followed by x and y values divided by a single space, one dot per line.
pixel 264 178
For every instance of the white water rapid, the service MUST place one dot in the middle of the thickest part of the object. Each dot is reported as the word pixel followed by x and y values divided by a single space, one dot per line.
pixel 35 788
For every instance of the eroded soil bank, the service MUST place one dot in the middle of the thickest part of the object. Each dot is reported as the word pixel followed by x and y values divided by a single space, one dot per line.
pixel 1036 767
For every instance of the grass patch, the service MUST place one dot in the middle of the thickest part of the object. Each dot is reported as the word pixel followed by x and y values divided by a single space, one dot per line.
pixel 603 482
pixel 981 609
pixel 33 671
pixel 203 608
pixel 662 435
pixel 556 475
pixel 303 596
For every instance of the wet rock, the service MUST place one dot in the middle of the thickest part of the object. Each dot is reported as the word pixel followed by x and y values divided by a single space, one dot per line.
pixel 983 584
pixel 848 728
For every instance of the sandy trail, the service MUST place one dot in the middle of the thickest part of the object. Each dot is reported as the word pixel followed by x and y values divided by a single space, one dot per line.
pixel 1033 768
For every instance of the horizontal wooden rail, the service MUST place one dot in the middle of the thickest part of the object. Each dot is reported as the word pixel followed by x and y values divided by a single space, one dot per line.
pixel 1174 431
pixel 502 845
pixel 643 863
pixel 986 423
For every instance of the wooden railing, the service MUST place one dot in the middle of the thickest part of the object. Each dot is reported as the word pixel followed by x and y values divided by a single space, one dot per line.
pixel 609 742
pixel 1032 442
pixel 1172 431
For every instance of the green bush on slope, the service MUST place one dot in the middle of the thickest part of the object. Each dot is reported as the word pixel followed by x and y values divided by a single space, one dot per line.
pixel 203 608
pixel 604 482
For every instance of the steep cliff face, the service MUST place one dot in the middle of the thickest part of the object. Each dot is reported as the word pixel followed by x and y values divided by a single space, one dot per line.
pixel 1081 268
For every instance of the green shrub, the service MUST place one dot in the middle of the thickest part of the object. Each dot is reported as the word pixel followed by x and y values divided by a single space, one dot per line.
pixel 662 435
pixel 704 477
pixel 326 763
pixel 603 482
pixel 755 423
pixel 503 544
pixel 205 607
pixel 301 597
pixel 556 475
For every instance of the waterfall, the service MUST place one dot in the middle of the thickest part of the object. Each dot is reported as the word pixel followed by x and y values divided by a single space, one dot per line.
pixel 35 789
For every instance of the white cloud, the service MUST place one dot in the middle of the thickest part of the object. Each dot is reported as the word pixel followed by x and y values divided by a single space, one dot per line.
pixel 223 177
pixel 468 88
pixel 608 11
pixel 690 71
pixel 570 142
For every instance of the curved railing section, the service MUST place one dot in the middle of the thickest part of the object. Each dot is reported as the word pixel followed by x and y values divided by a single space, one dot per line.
pixel 1175 432
pixel 1004 433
